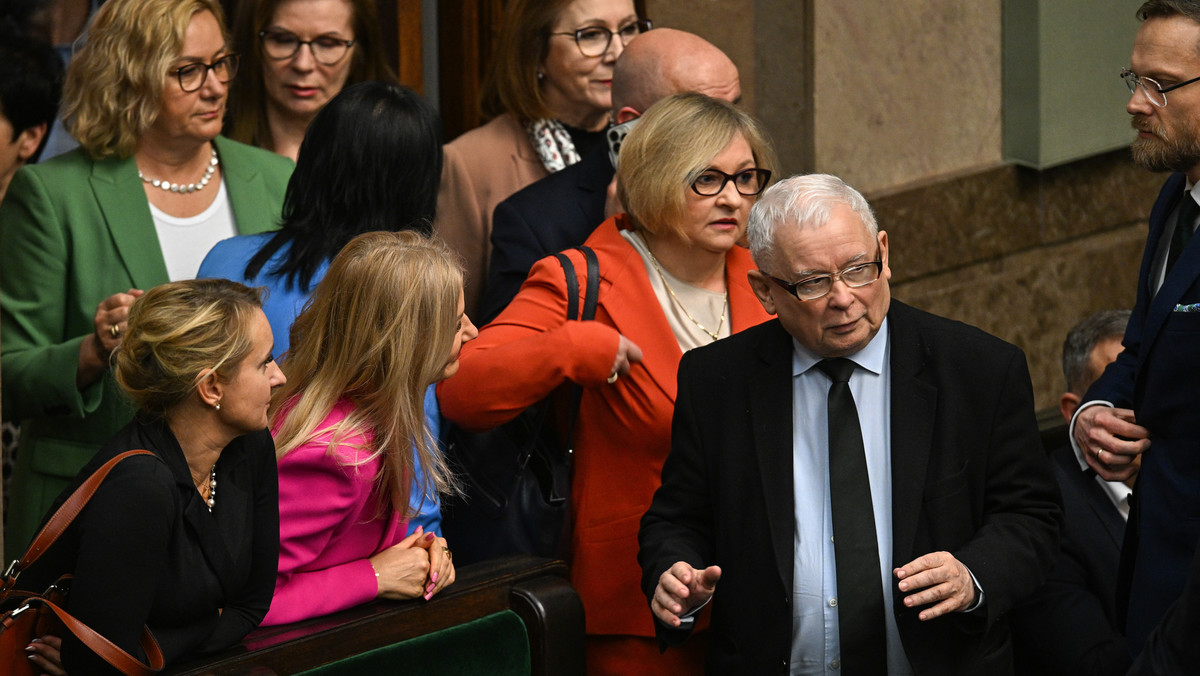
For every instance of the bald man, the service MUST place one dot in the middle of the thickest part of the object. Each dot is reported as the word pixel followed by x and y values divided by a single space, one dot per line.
pixel 561 210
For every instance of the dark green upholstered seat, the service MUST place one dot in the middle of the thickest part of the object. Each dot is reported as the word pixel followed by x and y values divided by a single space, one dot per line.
pixel 495 644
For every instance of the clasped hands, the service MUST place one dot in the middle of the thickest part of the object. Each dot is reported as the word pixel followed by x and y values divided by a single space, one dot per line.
pixel 938 580
pixel 1111 441
pixel 419 565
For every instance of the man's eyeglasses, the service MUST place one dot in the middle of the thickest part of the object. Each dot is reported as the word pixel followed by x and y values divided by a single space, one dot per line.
pixel 193 75
pixel 748 182
pixel 595 40
pixel 326 49
pixel 818 286
pixel 1156 93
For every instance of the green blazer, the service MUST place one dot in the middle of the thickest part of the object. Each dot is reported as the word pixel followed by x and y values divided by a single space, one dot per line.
pixel 74 231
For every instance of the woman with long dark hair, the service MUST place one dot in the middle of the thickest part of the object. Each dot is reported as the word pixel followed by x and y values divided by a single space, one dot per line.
pixel 370 161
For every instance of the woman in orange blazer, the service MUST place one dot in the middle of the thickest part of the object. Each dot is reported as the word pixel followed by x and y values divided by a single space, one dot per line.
pixel 672 277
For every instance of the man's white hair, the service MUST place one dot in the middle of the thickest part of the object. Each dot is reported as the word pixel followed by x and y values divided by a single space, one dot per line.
pixel 804 202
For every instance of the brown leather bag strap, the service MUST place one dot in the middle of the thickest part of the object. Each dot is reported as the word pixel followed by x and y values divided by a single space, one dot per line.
pixel 106 649
pixel 65 515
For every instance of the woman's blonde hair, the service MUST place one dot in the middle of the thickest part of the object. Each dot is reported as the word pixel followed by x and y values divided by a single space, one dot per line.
pixel 114 86
pixel 670 146
pixel 180 332
pixel 377 332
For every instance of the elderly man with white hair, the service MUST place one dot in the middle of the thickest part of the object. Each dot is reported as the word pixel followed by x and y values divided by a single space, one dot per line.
pixel 860 483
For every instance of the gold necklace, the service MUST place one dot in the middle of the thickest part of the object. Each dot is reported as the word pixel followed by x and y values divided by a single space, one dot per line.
pixel 716 335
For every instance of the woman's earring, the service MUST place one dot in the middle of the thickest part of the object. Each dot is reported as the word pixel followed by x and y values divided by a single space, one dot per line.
pixel 217 406
pixel 541 76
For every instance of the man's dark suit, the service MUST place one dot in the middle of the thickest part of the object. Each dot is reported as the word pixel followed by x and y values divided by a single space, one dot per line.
pixel 1070 626
pixel 1158 376
pixel 968 477
pixel 556 213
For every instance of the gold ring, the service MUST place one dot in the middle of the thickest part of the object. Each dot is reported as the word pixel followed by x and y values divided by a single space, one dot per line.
pixel 613 378
pixel 114 331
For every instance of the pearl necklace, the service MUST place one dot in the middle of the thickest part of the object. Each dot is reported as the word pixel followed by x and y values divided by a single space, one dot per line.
pixel 715 334
pixel 211 500
pixel 190 187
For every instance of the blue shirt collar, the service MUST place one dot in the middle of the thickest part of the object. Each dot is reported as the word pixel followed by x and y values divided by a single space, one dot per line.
pixel 872 357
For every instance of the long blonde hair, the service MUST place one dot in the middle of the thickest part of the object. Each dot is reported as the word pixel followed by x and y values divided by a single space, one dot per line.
pixel 377 332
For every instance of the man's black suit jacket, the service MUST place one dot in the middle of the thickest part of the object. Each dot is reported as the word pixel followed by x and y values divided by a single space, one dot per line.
pixel 1156 375
pixel 968 476
pixel 1070 625
pixel 550 215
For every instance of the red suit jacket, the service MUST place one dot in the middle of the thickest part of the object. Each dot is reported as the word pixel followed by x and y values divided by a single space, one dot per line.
pixel 623 430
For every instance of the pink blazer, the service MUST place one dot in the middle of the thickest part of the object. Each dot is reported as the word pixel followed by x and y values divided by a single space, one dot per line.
pixel 329 525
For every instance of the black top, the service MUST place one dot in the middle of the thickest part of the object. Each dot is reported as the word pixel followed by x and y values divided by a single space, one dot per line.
pixel 1070 625
pixel 552 214
pixel 146 550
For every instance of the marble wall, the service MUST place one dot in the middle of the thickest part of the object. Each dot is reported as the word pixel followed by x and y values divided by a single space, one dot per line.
pixel 903 101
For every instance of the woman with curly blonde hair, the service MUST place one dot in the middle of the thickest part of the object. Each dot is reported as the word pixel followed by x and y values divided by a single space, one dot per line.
pixel 152 188
pixel 386 321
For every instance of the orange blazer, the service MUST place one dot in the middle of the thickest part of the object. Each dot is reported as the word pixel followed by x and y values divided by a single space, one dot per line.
pixel 623 430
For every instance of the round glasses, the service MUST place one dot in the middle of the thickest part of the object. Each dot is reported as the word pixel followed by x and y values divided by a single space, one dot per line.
pixel 326 49
pixel 193 75
pixel 748 182
pixel 595 40
pixel 818 286
pixel 1155 93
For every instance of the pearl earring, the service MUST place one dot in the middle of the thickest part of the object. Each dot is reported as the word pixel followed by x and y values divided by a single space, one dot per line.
pixel 217 406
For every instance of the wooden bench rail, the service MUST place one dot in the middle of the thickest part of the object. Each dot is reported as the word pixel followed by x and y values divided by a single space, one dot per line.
pixel 536 589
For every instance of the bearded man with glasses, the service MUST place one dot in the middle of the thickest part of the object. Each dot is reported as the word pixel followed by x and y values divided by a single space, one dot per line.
pixel 1146 401
pixel 860 482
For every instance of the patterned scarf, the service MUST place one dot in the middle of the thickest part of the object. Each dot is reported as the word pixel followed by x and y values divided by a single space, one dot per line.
pixel 552 143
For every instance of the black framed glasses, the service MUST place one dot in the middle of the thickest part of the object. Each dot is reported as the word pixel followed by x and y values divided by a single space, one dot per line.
pixel 1156 93
pixel 193 75
pixel 326 49
pixel 595 40
pixel 748 182
pixel 819 286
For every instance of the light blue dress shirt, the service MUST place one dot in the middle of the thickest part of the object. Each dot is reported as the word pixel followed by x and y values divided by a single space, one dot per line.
pixel 816 647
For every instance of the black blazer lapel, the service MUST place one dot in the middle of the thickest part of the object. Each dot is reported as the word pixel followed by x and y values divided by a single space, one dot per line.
pixel 771 395
pixel 233 503
pixel 595 173
pixel 195 514
pixel 914 405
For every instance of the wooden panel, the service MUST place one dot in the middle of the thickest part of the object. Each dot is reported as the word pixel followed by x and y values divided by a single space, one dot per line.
pixel 467 31
pixel 480 589
pixel 410 44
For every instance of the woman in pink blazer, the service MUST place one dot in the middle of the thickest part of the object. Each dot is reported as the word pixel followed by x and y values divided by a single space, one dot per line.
pixel 385 322
pixel 672 277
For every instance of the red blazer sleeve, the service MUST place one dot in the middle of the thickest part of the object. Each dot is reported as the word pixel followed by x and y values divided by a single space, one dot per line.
pixel 529 350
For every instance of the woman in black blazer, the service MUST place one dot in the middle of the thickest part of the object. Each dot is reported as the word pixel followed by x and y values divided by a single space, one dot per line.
pixel 185 541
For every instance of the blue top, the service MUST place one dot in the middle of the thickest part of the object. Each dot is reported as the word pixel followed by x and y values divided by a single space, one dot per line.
pixel 228 259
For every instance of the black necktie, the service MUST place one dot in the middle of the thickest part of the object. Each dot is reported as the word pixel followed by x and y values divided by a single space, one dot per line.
pixel 1184 223
pixel 856 550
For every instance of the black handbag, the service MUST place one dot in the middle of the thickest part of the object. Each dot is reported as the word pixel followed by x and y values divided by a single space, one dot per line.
pixel 516 478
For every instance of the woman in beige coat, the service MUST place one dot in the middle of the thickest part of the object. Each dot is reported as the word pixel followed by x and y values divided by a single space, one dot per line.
pixel 548 96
